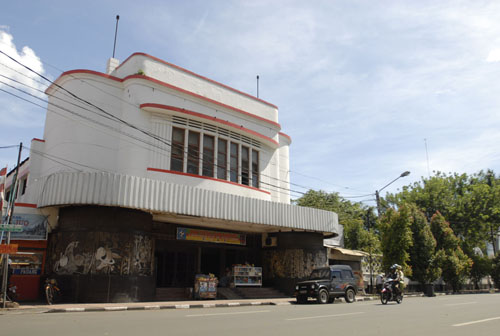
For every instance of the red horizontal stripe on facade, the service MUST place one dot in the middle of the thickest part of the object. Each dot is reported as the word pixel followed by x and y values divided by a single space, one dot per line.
pixel 204 116
pixel 36 139
pixel 121 80
pixel 286 136
pixel 205 177
pixel 26 205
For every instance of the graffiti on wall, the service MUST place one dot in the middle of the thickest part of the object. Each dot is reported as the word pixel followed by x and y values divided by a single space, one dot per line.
pixel 102 253
pixel 293 263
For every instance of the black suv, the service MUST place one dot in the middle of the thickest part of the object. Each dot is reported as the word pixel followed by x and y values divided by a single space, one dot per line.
pixel 327 283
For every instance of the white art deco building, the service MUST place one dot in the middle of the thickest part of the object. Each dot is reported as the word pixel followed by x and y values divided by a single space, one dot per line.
pixel 150 174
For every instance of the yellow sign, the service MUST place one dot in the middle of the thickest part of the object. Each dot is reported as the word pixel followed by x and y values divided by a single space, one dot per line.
pixel 8 249
pixel 211 236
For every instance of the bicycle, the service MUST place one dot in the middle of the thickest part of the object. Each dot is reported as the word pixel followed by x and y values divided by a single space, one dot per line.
pixel 52 290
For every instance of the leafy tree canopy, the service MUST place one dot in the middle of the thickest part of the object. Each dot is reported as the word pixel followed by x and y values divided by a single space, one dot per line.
pixel 358 220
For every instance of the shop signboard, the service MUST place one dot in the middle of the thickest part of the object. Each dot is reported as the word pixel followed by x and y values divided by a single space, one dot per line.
pixel 211 236
pixel 11 228
pixel 34 227
pixel 8 248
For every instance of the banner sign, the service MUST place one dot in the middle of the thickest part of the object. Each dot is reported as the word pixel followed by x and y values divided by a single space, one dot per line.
pixel 8 249
pixel 211 236
pixel 11 228
pixel 34 227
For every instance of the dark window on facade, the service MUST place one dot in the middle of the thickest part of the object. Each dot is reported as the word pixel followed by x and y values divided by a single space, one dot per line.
pixel 222 159
pixel 212 162
pixel 25 184
pixel 255 169
pixel 208 155
pixel 245 165
pixel 233 164
pixel 193 160
pixel 177 157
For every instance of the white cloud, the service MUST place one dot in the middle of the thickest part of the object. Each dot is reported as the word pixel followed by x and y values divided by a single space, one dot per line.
pixel 17 72
pixel 494 56
pixel 16 112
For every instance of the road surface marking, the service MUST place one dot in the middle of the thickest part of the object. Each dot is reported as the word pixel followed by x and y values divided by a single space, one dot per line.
pixel 236 313
pixel 459 304
pixel 323 316
pixel 474 322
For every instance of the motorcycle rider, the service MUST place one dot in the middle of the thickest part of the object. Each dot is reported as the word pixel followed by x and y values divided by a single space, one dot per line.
pixel 397 277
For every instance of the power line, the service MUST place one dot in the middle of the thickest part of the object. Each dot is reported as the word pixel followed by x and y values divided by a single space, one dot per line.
pixel 187 153
pixel 89 119
pixel 137 106
pixel 114 118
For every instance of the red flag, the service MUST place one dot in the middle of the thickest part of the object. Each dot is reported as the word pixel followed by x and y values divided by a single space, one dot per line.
pixel 3 172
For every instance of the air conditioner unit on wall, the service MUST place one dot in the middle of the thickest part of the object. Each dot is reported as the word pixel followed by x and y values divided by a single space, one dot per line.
pixel 269 240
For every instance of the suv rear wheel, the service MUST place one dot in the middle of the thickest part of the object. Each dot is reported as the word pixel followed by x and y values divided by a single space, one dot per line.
pixel 350 295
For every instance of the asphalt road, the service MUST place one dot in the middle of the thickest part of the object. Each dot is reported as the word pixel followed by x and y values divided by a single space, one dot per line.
pixel 471 315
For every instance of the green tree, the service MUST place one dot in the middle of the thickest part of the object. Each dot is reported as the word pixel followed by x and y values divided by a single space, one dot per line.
pixel 454 263
pixel 495 271
pixel 423 262
pixel 470 203
pixel 396 238
pixel 353 216
pixel 481 267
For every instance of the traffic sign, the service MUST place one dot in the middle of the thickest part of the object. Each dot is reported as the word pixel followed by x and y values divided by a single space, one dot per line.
pixel 11 227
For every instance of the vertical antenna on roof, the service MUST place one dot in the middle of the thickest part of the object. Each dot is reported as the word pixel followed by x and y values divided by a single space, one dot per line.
pixel 116 32
pixel 427 154
pixel 257 86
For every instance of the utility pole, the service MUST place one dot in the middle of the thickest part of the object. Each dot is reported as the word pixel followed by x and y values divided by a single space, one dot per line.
pixel 10 212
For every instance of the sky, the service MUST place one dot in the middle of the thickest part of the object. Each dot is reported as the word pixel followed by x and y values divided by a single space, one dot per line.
pixel 365 89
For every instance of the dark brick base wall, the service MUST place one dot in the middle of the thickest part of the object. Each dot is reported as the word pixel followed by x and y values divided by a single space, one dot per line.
pixel 102 254
pixel 296 255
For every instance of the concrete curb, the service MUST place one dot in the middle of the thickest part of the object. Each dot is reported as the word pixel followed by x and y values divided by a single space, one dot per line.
pixel 158 307
pixel 198 305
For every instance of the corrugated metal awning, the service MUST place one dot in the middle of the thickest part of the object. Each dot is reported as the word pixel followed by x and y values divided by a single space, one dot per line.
pixel 155 196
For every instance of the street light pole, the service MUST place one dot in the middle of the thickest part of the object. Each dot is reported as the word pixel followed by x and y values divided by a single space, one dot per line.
pixel 377 195
pixel 379 212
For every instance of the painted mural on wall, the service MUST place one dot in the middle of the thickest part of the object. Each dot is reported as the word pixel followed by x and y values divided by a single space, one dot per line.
pixel 293 263
pixel 101 253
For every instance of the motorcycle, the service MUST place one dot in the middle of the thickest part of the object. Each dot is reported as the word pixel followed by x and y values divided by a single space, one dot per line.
pixel 52 291
pixel 388 294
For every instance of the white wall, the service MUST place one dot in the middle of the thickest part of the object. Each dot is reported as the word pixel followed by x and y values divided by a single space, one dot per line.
pixel 85 143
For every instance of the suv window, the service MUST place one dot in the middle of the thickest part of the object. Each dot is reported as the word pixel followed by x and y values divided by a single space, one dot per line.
pixel 319 274
pixel 346 274
pixel 335 274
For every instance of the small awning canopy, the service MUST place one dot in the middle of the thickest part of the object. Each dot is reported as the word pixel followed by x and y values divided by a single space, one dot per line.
pixel 339 253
